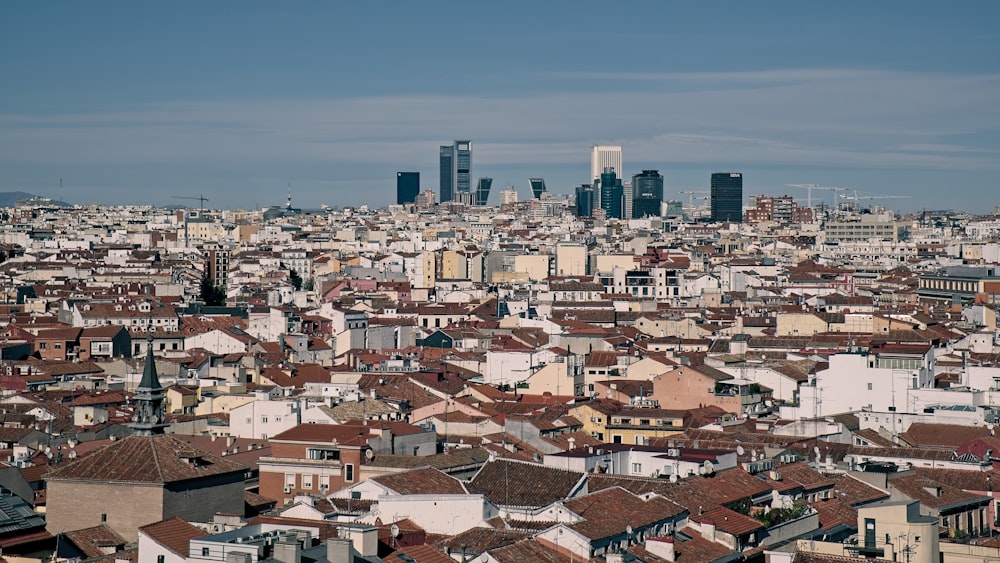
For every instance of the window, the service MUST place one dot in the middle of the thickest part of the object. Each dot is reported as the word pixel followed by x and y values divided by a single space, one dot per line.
pixel 637 468
pixel 349 472
pixel 263 419
pixel 204 552
pixel 323 454
pixel 160 558
pixel 104 517
pixel 869 386
pixel 307 481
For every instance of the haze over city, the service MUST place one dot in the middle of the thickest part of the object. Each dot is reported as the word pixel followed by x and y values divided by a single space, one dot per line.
pixel 134 103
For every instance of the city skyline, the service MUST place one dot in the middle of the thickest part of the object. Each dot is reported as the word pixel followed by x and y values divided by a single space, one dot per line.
pixel 137 103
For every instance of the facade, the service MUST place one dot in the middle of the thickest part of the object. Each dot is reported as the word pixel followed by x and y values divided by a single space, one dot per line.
pixel 612 194
pixel 456 170
pixel 407 187
pixel 483 190
pixel 537 187
pixel 604 156
pixel 584 200
pixel 727 197
pixel 647 194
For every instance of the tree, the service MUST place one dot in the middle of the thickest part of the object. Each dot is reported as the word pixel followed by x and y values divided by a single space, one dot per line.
pixel 212 294
pixel 296 279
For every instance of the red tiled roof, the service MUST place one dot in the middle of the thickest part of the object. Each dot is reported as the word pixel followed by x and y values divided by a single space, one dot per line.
pixel 144 459
pixel 511 483
pixel 728 521
pixel 173 533
pixel 423 481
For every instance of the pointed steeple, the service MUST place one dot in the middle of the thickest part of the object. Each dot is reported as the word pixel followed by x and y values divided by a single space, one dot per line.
pixel 150 412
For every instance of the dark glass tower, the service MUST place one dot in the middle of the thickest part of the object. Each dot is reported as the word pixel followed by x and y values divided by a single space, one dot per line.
pixel 537 187
pixel 483 190
pixel 612 194
pixel 463 167
pixel 585 200
pixel 456 170
pixel 647 193
pixel 727 197
pixel 407 187
pixel 447 173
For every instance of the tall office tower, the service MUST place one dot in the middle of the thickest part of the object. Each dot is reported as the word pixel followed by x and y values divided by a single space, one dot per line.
pixel 407 187
pixel 537 187
pixel 585 200
pixel 727 197
pixel 626 199
pixel 602 157
pixel 447 172
pixel 456 170
pixel 612 194
pixel 647 193
pixel 483 190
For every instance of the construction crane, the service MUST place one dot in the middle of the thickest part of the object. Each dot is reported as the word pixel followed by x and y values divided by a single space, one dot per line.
pixel 691 196
pixel 857 198
pixel 810 187
pixel 201 200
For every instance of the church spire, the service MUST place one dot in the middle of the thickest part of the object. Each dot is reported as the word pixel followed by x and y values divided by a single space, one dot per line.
pixel 150 413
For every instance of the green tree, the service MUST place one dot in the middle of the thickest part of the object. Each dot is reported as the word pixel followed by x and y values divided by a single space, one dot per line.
pixel 296 279
pixel 212 294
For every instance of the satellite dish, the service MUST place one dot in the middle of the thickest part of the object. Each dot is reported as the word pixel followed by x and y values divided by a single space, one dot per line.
pixel 673 477
pixel 628 530
pixel 48 450
pixel 816 450
pixel 394 530
pixel 708 467
pixel 72 454
pixel 775 495
pixel 740 450
pixel 369 454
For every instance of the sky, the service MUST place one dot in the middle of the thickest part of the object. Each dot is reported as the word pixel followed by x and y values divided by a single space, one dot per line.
pixel 150 102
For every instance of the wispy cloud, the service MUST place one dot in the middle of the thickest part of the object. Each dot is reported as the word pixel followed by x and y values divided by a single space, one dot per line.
pixel 835 118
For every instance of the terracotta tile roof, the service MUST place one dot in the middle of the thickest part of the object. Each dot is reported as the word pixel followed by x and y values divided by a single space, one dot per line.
pixel 452 459
pixel 606 513
pixel 93 541
pixel 478 540
pixel 963 479
pixel 856 492
pixel 874 438
pixel 728 521
pixel 343 434
pixel 422 553
pixel 950 436
pixel 810 479
pixel 834 512
pixel 424 481
pixel 692 549
pixel 694 493
pixel 934 494
pixel 145 459
pixel 173 533
pixel 131 555
pixel 528 550
pixel 511 483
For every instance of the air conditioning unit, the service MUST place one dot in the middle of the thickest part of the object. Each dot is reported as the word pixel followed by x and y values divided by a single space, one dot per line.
pixel 288 489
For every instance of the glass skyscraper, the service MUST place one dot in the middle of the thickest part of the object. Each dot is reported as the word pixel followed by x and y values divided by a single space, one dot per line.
pixel 585 200
pixel 537 187
pixel 612 194
pixel 483 190
pixel 727 197
pixel 456 170
pixel 407 187
pixel 647 193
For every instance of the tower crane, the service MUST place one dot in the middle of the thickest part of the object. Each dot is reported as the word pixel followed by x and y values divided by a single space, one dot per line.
pixel 857 198
pixel 201 200
pixel 691 194
pixel 810 187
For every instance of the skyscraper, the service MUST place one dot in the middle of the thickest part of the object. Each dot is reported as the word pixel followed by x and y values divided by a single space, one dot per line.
pixel 537 187
pixel 604 156
pixel 447 172
pixel 483 190
pixel 585 200
pixel 727 197
pixel 456 170
pixel 612 194
pixel 647 193
pixel 407 187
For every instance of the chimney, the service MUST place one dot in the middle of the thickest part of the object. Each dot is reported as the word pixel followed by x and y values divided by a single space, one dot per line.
pixel 338 550
pixel 288 551
pixel 572 443
pixel 230 440
pixel 363 538
pixel 661 547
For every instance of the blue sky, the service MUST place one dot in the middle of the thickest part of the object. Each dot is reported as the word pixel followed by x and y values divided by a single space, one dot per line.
pixel 134 102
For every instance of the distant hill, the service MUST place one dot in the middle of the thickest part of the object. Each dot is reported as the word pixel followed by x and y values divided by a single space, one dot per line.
pixel 9 199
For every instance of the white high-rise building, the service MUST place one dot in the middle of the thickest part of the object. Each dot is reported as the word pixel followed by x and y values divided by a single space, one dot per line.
pixel 603 156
